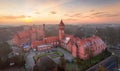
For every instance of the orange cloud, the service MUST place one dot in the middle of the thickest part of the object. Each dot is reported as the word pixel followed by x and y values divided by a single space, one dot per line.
pixel 12 17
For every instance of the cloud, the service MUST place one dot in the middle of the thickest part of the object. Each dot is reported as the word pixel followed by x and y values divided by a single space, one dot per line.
pixel 104 14
pixel 100 14
pixel 97 13
pixel 37 12
pixel 13 17
pixel 73 15
pixel 92 10
pixel 53 12
pixel 71 19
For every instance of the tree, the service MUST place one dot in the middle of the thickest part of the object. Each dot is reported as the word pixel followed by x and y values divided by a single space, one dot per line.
pixel 107 35
pixel 62 64
pixel 19 60
pixel 45 64
pixel 89 53
pixel 79 33
pixel 4 51
pixel 101 68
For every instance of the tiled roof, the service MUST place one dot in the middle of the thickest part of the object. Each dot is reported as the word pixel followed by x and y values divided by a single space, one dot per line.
pixel 95 40
pixel 36 43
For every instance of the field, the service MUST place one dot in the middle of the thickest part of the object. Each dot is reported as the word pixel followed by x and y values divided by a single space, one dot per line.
pixel 51 54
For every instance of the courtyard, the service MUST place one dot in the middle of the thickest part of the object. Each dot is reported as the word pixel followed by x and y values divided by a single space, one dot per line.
pixel 54 54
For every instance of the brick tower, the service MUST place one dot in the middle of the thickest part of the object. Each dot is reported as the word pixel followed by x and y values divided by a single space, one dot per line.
pixel 44 32
pixel 61 30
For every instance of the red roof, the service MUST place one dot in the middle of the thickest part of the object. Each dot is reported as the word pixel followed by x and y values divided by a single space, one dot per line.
pixel 61 23
pixel 25 35
pixel 95 40
pixel 52 38
pixel 36 43
pixel 47 40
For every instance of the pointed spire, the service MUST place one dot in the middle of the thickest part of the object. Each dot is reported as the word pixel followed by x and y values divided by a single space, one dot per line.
pixel 61 23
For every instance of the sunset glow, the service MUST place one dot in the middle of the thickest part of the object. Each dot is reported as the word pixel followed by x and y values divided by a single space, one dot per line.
pixel 27 20
pixel 52 11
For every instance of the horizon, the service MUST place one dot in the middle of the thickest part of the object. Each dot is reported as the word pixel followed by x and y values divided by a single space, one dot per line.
pixel 28 12
pixel 92 24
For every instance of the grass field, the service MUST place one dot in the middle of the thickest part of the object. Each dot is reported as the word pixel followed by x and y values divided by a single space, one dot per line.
pixel 52 54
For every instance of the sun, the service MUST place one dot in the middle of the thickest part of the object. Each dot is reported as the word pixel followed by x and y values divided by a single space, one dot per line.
pixel 28 20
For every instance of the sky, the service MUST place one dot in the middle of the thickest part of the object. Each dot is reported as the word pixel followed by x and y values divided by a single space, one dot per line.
pixel 19 12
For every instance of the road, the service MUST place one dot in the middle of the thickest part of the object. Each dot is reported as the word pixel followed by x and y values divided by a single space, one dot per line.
pixel 109 63
pixel 67 55
pixel 30 61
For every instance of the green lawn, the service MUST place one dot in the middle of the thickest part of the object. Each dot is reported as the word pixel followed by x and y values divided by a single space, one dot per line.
pixel 72 66
pixel 54 54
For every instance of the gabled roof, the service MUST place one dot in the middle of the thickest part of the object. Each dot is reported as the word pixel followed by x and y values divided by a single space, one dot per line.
pixel 94 40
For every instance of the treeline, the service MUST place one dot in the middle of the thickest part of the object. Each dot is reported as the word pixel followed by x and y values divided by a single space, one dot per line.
pixel 4 51
pixel 8 32
pixel 111 35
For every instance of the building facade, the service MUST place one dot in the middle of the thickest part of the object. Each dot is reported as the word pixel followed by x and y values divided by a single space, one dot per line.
pixel 27 36
pixel 82 48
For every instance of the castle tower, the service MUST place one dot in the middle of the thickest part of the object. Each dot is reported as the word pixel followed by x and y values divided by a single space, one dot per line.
pixel 61 30
pixel 44 34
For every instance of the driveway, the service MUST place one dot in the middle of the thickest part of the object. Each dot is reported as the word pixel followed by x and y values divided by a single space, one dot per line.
pixel 67 55
pixel 30 61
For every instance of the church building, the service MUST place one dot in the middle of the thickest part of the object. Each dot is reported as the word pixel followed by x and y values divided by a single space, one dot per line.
pixel 79 47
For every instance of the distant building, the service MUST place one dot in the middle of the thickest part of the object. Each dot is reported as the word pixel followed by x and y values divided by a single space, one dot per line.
pixel 81 48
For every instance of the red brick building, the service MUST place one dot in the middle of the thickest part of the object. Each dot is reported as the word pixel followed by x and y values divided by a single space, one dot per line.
pixel 28 36
pixel 82 48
